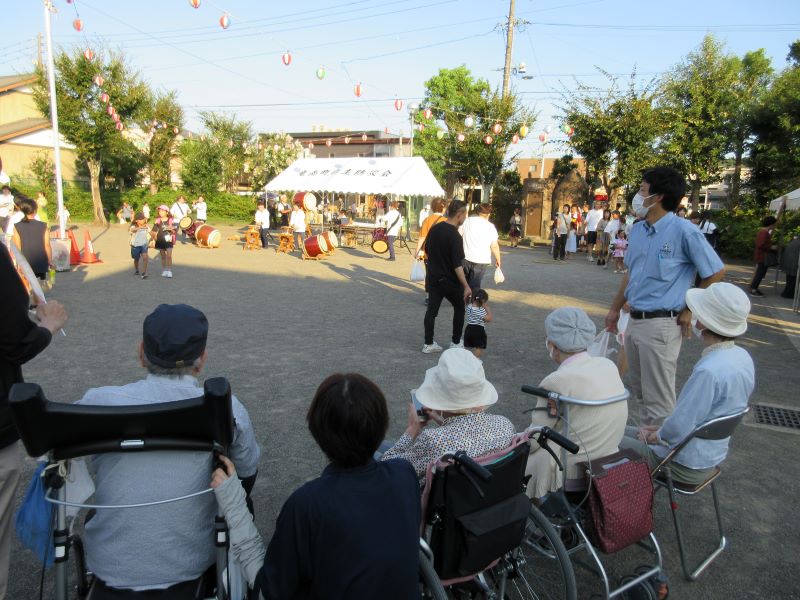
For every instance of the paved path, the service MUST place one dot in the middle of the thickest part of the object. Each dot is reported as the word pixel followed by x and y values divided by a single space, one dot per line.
pixel 279 325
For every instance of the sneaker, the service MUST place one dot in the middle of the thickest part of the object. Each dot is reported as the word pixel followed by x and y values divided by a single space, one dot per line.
pixel 590 259
pixel 458 345
pixel 756 293
pixel 169 274
pixel 431 348
pixel 144 275
pixel 136 272
pixel 164 273
pixel 605 266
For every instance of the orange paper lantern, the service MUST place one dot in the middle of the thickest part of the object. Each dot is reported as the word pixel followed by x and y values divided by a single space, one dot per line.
pixel 358 90
pixel 194 3
pixel 88 54
pixel 328 143
pixel 99 81
pixel 77 24
pixel 225 21
pixel 497 128
pixel 286 58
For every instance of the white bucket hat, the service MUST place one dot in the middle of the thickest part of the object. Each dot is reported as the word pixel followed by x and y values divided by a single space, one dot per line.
pixel 721 307
pixel 456 383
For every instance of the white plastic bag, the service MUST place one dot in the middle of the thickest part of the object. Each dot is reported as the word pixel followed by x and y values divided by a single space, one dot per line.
pixel 80 485
pixel 600 345
pixel 622 325
pixel 417 271
pixel 498 276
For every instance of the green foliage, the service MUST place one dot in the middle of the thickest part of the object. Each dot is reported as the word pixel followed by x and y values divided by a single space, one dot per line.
pixel 233 141
pixel 42 169
pixel 507 195
pixel 201 166
pixel 562 166
pixel 160 118
pixel 740 225
pixel 273 154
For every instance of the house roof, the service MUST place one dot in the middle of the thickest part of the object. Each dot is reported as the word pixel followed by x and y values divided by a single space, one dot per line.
pixel 9 82
pixel 9 131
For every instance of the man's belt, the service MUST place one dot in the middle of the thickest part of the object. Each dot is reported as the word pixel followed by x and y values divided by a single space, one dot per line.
pixel 656 314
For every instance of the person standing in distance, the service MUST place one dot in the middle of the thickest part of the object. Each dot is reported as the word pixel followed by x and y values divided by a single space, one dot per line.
pixel 445 275
pixel 561 230
pixel 393 221
pixel 480 244
pixel 664 254
pixel 201 209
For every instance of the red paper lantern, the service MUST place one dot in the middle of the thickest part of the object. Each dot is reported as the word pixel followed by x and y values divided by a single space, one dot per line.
pixel 398 104
pixel 571 131
pixel 363 137
pixel 88 54
pixel 328 143
pixel 514 139
pixel 110 110
pixel 225 21
pixel 119 126
pixel 115 116
pixel 488 139
pixel 421 127
pixel 358 89
pixel 99 81
pixel 427 113
pixel 286 58
pixel 104 98
pixel 194 3
pixel 175 130
pixel 497 128
pixel 347 139
pixel 461 137
pixel 78 25
pixel 542 137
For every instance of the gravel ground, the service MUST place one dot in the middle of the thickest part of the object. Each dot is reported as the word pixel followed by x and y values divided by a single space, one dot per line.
pixel 279 325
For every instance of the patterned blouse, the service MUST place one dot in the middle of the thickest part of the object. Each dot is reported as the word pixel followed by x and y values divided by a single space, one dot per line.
pixel 476 433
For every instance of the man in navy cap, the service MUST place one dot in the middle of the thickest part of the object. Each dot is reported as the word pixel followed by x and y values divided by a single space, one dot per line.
pixel 166 545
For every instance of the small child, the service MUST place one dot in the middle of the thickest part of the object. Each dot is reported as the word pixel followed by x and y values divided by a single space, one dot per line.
pixel 620 245
pixel 572 240
pixel 140 239
pixel 478 314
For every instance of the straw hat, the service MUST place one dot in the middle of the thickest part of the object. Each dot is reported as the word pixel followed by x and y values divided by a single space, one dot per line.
pixel 721 307
pixel 456 383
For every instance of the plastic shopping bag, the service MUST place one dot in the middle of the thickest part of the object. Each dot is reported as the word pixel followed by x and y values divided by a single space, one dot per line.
pixel 35 519
pixel 600 345
pixel 498 276
pixel 80 485
pixel 417 271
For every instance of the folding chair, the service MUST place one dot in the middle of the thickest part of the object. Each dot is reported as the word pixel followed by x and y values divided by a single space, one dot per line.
pixel 66 431
pixel 716 429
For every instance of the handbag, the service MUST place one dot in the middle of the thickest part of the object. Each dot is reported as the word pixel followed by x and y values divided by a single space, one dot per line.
pixel 620 500
pixel 34 520
pixel 417 271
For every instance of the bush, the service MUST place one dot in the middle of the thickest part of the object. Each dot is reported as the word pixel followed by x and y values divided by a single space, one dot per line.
pixel 739 228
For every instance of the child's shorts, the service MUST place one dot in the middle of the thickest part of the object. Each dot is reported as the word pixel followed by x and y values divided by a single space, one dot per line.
pixel 475 336
pixel 137 251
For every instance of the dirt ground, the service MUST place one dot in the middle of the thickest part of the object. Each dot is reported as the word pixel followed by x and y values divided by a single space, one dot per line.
pixel 279 325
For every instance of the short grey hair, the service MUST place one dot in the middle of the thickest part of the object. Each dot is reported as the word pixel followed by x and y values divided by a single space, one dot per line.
pixel 176 372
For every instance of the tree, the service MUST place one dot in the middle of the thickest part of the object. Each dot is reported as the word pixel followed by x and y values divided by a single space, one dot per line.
pixel 775 153
pixel 697 108
pixel 274 153
pixel 562 166
pixel 43 170
pixel 82 116
pixel 201 165
pixel 233 138
pixel 162 118
pixel 506 196
pixel 452 95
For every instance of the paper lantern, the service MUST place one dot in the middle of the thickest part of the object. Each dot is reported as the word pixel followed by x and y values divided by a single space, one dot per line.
pixel 469 121
pixel 440 134
pixel 398 104
pixel 119 126
pixel 104 98
pixel 321 73
pixel 244 145
pixel 286 58
pixel 427 113
pixel 99 81
pixel 421 127
pixel 523 131
pixel 461 137
pixel 346 139
pixel 310 145
pixel 497 128
pixel 542 137
pixel 225 21
pixel 363 137
pixel 276 148
pixel 110 110
pixel 358 90
pixel 77 24
pixel 487 139
pixel 514 138
pixel 115 116
pixel 571 132
pixel 175 130
pixel 565 128
pixel 328 143
pixel 548 129
pixel 194 3
pixel 88 54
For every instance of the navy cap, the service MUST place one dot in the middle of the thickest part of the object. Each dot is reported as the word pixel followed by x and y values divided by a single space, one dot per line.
pixel 174 335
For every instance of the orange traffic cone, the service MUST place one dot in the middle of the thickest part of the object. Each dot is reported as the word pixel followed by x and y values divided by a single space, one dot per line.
pixel 89 257
pixel 74 253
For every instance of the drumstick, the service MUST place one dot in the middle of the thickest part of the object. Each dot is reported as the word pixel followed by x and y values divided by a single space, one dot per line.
pixel 27 271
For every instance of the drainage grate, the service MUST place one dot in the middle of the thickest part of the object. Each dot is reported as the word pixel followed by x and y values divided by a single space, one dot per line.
pixel 777 417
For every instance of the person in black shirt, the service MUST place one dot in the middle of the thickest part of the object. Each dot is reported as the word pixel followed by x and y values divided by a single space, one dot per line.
pixel 445 275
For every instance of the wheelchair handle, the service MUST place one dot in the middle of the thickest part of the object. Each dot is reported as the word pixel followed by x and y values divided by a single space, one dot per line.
pixel 539 391
pixel 566 443
pixel 462 458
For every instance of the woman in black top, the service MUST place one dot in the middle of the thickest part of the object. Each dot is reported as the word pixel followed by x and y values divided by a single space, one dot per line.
pixel 30 236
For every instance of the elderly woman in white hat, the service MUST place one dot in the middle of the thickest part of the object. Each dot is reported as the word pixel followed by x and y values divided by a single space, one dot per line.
pixel 720 384
pixel 455 394
pixel 598 430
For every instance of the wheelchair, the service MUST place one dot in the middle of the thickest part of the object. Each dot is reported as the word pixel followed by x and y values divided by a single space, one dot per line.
pixel 64 432
pixel 568 513
pixel 481 535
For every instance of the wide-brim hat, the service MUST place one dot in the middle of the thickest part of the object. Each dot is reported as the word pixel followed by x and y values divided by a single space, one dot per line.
pixel 456 383
pixel 721 307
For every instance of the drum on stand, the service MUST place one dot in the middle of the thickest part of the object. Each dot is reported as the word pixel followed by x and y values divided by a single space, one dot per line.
pixel 306 200
pixel 330 239
pixel 379 242
pixel 185 223
pixel 207 236
pixel 315 246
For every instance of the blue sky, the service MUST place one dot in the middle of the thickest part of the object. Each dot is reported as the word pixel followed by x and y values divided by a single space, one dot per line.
pixel 391 46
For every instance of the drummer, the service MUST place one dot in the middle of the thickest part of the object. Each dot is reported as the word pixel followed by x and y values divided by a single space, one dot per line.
pixel 178 211
pixel 200 208
pixel 298 224
pixel 262 222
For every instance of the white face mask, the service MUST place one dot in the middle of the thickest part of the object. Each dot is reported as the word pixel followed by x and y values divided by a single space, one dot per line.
pixel 638 205
pixel 698 333
pixel 549 349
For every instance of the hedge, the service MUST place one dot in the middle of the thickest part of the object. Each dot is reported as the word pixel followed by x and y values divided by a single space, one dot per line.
pixel 738 229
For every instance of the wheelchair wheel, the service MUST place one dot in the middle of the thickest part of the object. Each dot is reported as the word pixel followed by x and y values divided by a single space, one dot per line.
pixel 429 581
pixel 540 568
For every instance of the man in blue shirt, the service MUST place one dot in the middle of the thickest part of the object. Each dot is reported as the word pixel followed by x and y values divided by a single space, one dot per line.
pixel 664 256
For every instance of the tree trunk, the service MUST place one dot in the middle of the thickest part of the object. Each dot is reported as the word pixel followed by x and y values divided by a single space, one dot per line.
pixel 736 179
pixel 153 187
pixel 694 198
pixel 97 201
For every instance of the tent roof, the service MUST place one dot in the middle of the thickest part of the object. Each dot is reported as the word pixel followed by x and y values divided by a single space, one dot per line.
pixel 792 201
pixel 405 176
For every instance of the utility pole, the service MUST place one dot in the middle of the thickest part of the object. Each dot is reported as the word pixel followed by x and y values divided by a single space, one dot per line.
pixel 509 44
pixel 39 50
pixel 51 81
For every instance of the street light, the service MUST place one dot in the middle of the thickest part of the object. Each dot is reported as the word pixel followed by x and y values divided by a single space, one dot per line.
pixel 412 110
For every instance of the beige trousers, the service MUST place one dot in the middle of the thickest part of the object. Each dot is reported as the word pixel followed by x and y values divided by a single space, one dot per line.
pixel 10 463
pixel 652 347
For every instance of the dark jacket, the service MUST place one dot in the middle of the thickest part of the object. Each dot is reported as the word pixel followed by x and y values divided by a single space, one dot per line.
pixel 20 340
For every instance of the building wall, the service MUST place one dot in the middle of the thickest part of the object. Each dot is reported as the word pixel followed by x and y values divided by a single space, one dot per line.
pixel 17 159
pixel 17 104
pixel 532 167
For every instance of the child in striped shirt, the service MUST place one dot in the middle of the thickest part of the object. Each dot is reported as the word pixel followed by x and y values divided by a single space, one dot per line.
pixel 478 314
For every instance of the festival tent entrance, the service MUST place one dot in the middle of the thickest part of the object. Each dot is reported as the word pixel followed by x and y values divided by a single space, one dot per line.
pixel 792 201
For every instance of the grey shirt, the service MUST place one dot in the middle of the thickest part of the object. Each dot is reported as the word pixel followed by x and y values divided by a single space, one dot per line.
pixel 157 546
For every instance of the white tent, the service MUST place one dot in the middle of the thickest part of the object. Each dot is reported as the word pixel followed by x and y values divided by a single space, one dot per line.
pixel 402 176
pixel 792 201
